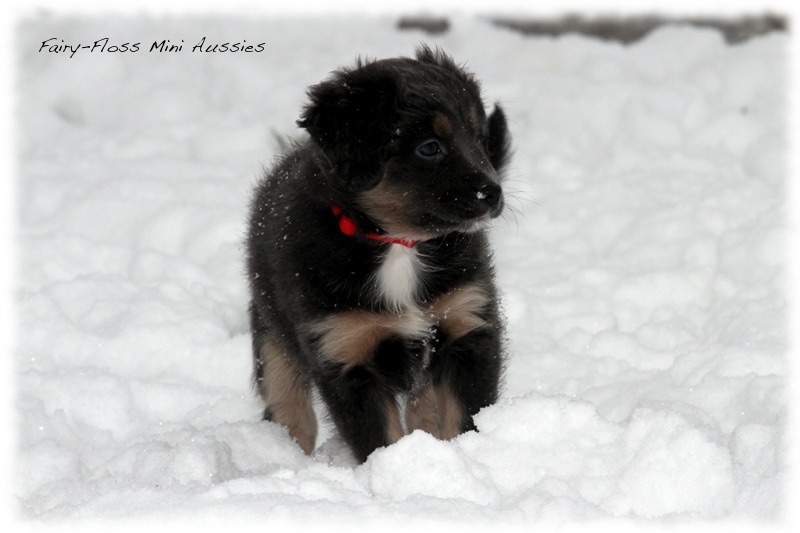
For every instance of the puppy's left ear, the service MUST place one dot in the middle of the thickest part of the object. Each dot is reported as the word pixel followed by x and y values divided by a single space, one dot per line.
pixel 499 140
pixel 350 117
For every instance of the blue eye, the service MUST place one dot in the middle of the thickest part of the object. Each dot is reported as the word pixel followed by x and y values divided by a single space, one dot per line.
pixel 429 148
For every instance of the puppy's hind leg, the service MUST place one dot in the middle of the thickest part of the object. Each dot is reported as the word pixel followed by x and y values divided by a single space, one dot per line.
pixel 285 391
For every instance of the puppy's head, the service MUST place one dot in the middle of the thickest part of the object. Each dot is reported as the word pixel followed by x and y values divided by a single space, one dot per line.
pixel 409 144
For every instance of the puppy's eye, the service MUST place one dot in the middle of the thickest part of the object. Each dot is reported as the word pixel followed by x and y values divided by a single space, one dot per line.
pixel 430 148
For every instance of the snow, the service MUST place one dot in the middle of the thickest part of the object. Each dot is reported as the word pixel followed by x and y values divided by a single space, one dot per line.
pixel 641 260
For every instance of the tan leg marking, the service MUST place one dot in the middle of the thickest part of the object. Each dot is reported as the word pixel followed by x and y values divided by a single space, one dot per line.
pixel 435 410
pixel 451 414
pixel 351 337
pixel 457 312
pixel 394 426
pixel 421 411
pixel 288 396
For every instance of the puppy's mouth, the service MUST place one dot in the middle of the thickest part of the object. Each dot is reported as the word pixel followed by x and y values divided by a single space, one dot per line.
pixel 452 211
pixel 465 217
pixel 440 225
pixel 432 225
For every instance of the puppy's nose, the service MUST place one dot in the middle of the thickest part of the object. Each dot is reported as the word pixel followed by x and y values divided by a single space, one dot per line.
pixel 489 194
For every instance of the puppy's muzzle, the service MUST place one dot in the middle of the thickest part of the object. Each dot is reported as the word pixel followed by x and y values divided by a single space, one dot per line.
pixel 481 197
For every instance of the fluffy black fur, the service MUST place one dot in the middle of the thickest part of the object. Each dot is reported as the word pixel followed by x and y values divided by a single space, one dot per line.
pixel 320 314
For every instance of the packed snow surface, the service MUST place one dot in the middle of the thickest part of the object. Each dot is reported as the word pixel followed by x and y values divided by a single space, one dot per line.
pixel 641 260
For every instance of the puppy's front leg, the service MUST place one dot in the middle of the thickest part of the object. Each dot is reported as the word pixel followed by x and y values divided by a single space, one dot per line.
pixel 365 359
pixel 364 411
pixel 466 366
pixel 465 379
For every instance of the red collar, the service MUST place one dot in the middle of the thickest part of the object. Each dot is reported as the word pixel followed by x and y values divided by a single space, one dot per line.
pixel 348 226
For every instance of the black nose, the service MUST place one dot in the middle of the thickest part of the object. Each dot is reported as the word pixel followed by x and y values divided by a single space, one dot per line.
pixel 489 194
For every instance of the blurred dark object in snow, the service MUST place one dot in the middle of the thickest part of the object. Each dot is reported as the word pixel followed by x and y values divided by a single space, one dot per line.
pixel 432 25
pixel 631 29
pixel 624 29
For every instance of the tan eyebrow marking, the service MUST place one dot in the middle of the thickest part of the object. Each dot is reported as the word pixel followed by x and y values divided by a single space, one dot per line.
pixel 473 117
pixel 442 126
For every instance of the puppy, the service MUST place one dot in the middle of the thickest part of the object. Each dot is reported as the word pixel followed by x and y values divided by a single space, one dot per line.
pixel 369 269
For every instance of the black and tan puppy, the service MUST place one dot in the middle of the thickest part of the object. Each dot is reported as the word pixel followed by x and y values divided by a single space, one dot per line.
pixel 368 260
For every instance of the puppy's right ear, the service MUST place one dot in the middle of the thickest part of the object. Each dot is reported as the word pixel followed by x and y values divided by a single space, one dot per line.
pixel 350 117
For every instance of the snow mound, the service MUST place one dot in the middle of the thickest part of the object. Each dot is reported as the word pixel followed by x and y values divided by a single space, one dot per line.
pixel 540 451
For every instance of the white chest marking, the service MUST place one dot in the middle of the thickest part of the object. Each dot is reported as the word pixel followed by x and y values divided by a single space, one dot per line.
pixel 397 279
